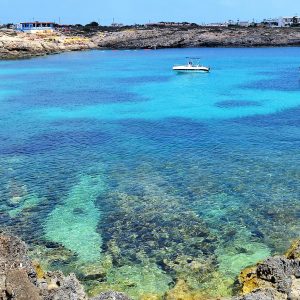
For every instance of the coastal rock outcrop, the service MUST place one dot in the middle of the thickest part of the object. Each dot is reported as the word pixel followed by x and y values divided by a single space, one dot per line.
pixel 22 45
pixel 21 279
pixel 15 45
pixel 181 37
pixel 275 278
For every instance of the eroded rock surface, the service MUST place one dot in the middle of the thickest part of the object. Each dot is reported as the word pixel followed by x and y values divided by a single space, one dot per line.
pixel 264 294
pixel 275 278
pixel 19 280
pixel 111 295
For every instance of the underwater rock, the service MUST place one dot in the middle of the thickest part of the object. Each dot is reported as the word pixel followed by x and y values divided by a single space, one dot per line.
pixel 240 254
pixel 182 291
pixel 111 296
pixel 95 271
pixel 50 257
pixel 147 224
pixel 141 225
pixel 137 281
pixel 25 203
pixel 16 191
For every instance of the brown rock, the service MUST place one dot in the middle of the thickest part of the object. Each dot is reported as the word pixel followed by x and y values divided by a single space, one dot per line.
pixel 20 281
pixel 18 286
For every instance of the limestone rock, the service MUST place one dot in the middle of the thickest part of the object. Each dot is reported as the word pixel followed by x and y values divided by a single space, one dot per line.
pixel 63 288
pixel 17 276
pixel 110 295
pixel 264 294
pixel 275 278
pixel 19 287
pixel 20 281
pixel 279 271
pixel 21 45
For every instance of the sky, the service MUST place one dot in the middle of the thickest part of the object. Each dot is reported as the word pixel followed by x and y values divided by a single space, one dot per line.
pixel 143 11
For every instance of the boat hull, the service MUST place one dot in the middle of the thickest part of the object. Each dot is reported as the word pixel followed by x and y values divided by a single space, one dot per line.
pixel 187 69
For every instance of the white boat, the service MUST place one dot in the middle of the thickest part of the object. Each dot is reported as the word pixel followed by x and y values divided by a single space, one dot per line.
pixel 193 65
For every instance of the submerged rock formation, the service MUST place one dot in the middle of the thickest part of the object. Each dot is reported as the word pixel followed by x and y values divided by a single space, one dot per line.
pixel 22 45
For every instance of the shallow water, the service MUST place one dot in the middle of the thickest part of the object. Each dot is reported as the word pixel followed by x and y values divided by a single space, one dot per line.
pixel 136 177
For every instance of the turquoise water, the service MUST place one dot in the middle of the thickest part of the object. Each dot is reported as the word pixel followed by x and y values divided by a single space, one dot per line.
pixel 135 177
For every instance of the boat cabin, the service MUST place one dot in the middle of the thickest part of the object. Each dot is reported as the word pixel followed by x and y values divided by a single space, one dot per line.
pixel 35 27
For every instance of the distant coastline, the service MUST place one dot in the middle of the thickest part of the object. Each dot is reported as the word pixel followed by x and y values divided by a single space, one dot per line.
pixel 16 45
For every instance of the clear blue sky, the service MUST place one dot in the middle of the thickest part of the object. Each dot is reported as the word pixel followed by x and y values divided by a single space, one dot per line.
pixel 141 11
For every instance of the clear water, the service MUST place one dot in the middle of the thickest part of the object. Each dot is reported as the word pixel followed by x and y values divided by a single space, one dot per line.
pixel 137 178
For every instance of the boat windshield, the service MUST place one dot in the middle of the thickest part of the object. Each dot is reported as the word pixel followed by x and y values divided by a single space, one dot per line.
pixel 193 61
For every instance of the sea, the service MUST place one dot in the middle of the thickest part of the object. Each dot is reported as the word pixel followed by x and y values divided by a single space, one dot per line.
pixel 146 181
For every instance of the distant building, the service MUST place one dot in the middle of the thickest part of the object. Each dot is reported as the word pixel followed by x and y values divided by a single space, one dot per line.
pixel 35 27
pixel 217 25
pixel 238 23
pixel 288 21
pixel 271 22
pixel 117 24
pixel 170 24
pixel 243 23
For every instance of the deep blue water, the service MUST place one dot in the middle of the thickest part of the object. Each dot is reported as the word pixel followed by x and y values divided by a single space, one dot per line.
pixel 111 163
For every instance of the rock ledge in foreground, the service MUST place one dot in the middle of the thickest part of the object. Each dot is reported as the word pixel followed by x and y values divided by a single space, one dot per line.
pixel 276 278
pixel 20 280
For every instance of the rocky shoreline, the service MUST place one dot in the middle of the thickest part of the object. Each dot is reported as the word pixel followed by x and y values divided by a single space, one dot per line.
pixel 16 45
pixel 22 279
pixel 276 278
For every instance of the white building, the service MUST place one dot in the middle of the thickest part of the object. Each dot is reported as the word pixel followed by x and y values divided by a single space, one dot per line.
pixel 117 25
pixel 243 23
pixel 238 23
pixel 288 21
pixel 217 25
pixel 35 27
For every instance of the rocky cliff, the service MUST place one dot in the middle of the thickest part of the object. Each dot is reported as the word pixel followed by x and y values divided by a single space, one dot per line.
pixel 22 45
